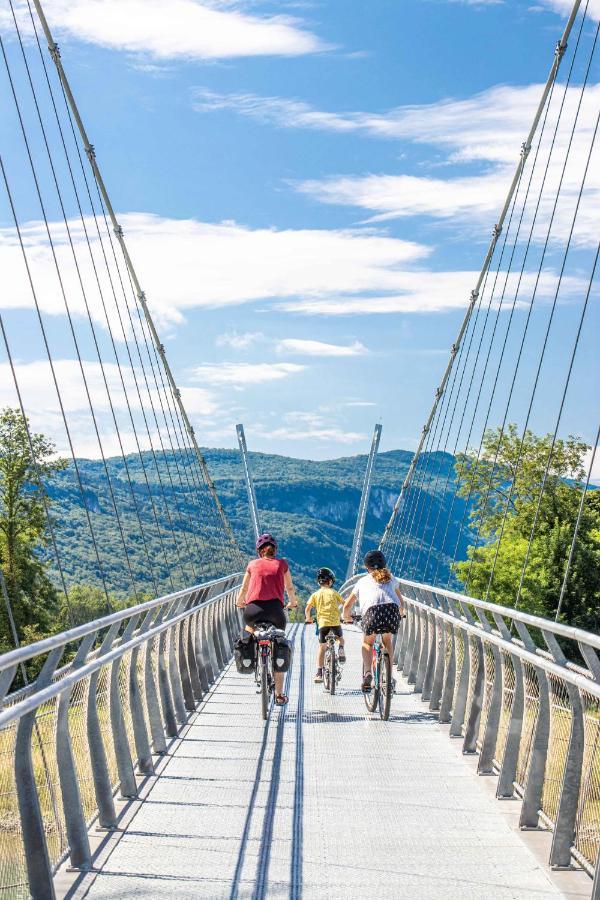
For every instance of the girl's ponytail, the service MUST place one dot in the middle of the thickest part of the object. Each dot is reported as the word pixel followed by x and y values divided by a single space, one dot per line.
pixel 382 576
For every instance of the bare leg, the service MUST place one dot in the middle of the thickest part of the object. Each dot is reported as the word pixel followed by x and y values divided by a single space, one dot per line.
pixel 388 643
pixel 367 652
pixel 320 656
pixel 278 682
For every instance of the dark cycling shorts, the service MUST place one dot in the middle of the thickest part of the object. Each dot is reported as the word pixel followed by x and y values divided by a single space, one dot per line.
pixel 384 619
pixel 324 631
pixel 270 611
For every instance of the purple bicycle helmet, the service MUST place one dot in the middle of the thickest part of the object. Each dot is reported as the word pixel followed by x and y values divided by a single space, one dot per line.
pixel 264 540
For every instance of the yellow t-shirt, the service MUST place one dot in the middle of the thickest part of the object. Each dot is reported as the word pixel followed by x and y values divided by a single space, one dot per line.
pixel 327 602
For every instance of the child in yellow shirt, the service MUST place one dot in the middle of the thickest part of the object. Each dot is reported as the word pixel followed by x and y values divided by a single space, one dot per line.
pixel 327 602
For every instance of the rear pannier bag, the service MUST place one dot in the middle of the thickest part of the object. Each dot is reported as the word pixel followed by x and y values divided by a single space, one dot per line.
pixel 282 653
pixel 244 652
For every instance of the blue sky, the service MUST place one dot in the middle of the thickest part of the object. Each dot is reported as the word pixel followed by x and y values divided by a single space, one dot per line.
pixel 308 189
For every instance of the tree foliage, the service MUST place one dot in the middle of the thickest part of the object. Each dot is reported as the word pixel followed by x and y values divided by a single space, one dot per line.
pixel 24 469
pixel 525 530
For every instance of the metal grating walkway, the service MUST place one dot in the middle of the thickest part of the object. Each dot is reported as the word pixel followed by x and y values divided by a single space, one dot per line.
pixel 326 801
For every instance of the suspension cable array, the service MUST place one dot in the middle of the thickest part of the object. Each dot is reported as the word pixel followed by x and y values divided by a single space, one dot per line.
pixel 492 454
pixel 136 499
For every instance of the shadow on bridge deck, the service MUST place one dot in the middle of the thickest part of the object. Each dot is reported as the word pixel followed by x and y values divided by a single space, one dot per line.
pixel 354 805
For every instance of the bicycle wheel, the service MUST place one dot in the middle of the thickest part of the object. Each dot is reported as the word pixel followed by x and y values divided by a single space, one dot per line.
pixel 326 670
pixel 372 696
pixel 385 693
pixel 332 671
pixel 264 689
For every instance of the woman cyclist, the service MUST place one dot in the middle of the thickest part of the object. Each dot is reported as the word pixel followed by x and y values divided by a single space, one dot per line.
pixel 262 595
pixel 381 606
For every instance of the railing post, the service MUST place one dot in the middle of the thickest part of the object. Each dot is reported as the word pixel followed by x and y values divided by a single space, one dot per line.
pixel 424 653
pixel 440 661
pixel 449 680
pixel 127 782
pixel 173 669
pixel 77 834
pixel 510 759
pixel 408 643
pixel 564 829
pixel 37 860
pixel 208 646
pixel 203 670
pixel 485 765
pixel 140 734
pixel 154 715
pixel 164 688
pixel 534 780
pixel 474 713
pixel 107 817
pixel 416 648
pixel 192 658
pixel 433 652
pixel 184 669
pixel 460 701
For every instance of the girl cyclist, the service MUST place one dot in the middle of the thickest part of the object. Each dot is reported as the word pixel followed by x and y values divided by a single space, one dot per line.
pixel 381 606
pixel 262 595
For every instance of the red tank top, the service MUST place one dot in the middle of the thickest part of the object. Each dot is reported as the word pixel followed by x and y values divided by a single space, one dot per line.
pixel 266 579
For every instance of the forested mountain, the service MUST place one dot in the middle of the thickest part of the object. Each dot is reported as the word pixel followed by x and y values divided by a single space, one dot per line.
pixel 311 506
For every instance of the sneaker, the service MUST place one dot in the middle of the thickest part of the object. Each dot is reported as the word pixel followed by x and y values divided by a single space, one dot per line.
pixel 319 676
pixel 367 682
pixel 342 655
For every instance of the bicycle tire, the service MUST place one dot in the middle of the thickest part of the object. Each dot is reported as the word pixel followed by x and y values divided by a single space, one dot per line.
pixel 264 690
pixel 372 696
pixel 332 672
pixel 385 694
pixel 326 671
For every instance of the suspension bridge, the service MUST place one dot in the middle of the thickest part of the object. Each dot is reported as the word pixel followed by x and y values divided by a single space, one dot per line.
pixel 133 761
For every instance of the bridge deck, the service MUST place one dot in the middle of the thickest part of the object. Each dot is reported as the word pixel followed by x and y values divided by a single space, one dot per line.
pixel 326 794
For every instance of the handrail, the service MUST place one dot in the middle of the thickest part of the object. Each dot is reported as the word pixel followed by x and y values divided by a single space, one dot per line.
pixel 38 648
pixel 530 714
pixel 80 732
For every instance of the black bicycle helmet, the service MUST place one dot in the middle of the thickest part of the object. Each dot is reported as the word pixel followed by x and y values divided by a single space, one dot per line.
pixel 375 560
pixel 325 574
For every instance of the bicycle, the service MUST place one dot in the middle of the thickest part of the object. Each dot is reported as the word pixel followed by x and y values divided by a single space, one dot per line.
pixel 382 682
pixel 332 671
pixel 266 636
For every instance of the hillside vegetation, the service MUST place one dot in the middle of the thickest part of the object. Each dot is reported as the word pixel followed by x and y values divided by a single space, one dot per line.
pixel 310 505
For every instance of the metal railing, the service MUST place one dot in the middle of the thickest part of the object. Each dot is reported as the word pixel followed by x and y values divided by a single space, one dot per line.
pixel 505 683
pixel 79 734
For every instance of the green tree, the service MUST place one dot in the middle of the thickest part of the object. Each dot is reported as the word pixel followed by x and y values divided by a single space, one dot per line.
pixel 23 528
pixel 508 475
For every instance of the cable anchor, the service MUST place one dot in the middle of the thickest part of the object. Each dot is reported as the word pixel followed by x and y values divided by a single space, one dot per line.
pixel 497 231
pixel 525 148
pixel 54 51
pixel 559 50
pixel 118 231
pixel 90 152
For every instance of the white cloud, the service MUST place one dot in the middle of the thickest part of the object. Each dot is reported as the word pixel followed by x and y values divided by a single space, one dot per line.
pixel 174 29
pixel 319 348
pixel 42 407
pixel 242 374
pixel 564 7
pixel 425 292
pixel 317 272
pixel 486 130
pixel 239 341
pixel 216 264
pixel 332 435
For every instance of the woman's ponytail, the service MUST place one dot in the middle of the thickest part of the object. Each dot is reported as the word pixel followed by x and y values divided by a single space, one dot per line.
pixel 381 576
